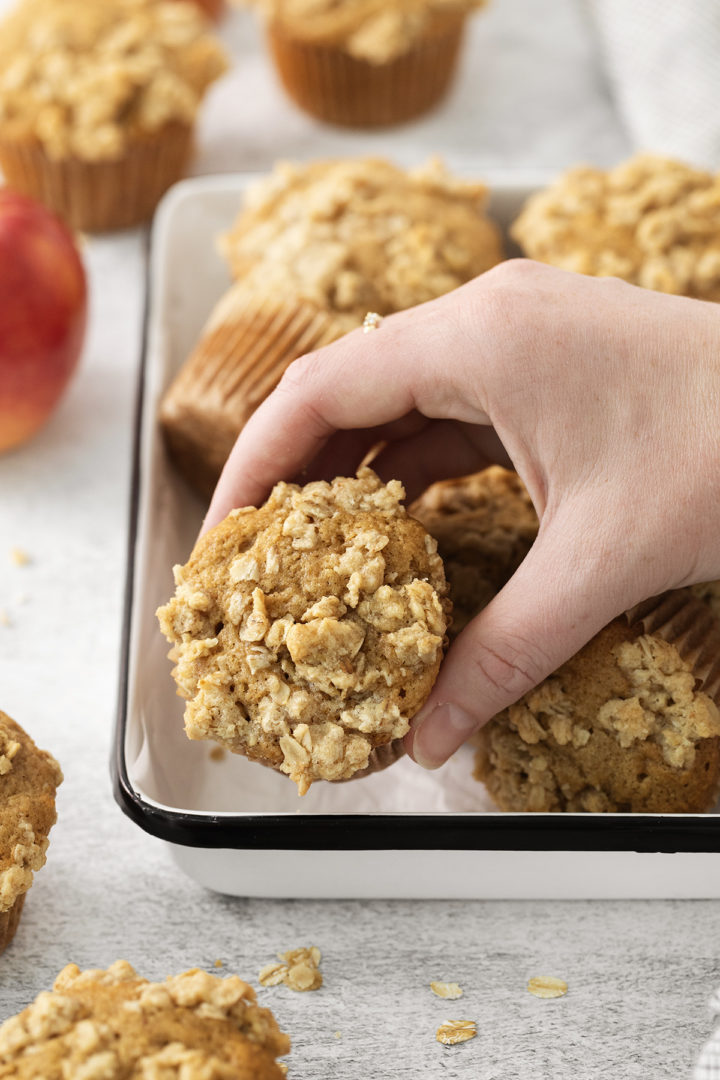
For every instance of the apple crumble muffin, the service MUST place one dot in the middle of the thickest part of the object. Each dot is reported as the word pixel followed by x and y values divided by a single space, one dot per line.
pixel 29 778
pixel 625 725
pixel 308 632
pixel 652 221
pixel 114 1024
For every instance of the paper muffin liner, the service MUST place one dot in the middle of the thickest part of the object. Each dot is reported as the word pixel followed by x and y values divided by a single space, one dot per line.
pixel 335 87
pixel 97 196
pixel 9 921
pixel 686 622
pixel 246 345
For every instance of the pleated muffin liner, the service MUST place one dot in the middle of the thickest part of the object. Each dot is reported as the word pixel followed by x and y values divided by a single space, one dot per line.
pixel 98 196
pixel 247 343
pixel 335 87
pixel 9 921
pixel 687 623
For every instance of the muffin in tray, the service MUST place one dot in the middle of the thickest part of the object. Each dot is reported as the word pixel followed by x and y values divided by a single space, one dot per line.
pixel 630 723
pixel 308 633
pixel 365 63
pixel 29 778
pixel 652 221
pixel 114 1024
pixel 98 100
pixel 315 248
pixel 484 525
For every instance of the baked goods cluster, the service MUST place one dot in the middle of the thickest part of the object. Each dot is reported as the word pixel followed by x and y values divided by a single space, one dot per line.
pixel 631 722
pixel 114 1024
pixel 651 221
pixel 308 632
pixel 315 247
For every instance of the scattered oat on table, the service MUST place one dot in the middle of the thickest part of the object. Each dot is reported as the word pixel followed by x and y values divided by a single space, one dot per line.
pixel 338 1034
pixel 5 619
pixel 446 990
pixel 218 963
pixel 217 753
pixel 19 557
pixel 298 970
pixel 456 1031
pixel 282 1067
pixel 547 986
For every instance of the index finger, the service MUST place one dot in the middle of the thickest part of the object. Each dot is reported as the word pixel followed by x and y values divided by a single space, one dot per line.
pixel 364 380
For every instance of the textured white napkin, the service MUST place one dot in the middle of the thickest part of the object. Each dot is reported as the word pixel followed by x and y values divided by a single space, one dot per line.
pixel 708 1065
pixel 663 62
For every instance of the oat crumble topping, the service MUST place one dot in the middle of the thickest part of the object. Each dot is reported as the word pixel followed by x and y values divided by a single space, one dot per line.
pixel 651 221
pixel 359 235
pixel 108 1025
pixel 85 76
pixel 28 779
pixel 310 631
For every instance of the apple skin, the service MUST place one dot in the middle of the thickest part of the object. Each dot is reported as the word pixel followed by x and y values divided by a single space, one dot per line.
pixel 43 314
pixel 212 8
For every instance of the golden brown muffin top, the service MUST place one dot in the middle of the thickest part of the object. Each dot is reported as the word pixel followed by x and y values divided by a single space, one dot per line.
pixel 28 780
pixel 651 221
pixel 83 77
pixel 360 235
pixel 373 30
pixel 113 1025
pixel 309 631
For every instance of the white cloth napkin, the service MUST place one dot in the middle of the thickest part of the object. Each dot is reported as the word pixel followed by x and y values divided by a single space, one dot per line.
pixel 663 63
pixel 708 1064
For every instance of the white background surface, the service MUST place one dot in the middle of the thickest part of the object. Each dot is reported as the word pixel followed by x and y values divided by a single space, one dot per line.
pixel 530 95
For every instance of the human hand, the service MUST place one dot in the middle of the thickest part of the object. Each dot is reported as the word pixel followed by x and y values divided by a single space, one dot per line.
pixel 606 400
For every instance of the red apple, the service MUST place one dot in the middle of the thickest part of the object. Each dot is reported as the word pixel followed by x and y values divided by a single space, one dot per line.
pixel 43 313
pixel 213 8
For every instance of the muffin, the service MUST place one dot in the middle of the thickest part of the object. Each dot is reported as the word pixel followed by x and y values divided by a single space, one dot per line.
pixel 246 344
pixel 114 1024
pixel 97 103
pixel 484 525
pixel 28 781
pixel 651 221
pixel 315 248
pixel 308 632
pixel 628 724
pixel 365 63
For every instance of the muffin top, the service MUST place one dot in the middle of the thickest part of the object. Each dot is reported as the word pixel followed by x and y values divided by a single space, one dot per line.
pixel 361 235
pixel 485 525
pixel 373 30
pixel 82 77
pixel 114 1024
pixel 28 780
pixel 651 221
pixel 622 725
pixel 309 631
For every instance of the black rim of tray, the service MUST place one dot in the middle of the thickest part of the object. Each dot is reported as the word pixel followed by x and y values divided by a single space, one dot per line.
pixel 360 832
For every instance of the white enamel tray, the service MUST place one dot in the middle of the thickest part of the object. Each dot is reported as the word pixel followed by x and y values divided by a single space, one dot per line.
pixel 240 828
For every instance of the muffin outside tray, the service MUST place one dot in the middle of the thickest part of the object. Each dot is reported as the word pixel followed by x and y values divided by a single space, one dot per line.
pixel 241 829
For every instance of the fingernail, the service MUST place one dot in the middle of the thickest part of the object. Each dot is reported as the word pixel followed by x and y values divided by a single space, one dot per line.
pixel 438 731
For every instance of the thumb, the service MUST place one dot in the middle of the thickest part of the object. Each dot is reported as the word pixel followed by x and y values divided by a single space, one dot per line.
pixel 559 598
